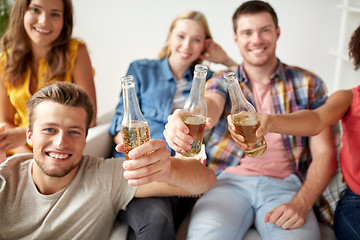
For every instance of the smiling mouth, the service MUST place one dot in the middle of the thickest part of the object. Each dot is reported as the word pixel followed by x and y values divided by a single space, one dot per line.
pixel 41 30
pixel 257 51
pixel 59 156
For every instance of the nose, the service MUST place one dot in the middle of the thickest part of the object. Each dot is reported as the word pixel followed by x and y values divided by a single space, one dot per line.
pixel 42 18
pixel 60 140
pixel 257 37
pixel 187 43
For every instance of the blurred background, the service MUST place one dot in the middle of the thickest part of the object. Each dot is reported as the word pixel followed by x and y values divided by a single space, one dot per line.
pixel 314 35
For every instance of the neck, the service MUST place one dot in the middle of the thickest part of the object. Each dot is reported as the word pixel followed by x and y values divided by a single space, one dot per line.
pixel 49 185
pixel 260 74
pixel 39 52
pixel 177 70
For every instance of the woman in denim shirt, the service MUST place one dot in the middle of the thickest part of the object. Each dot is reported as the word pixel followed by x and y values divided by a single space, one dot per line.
pixel 162 86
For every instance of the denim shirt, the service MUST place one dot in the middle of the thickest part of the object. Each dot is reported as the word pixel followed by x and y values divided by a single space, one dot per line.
pixel 155 88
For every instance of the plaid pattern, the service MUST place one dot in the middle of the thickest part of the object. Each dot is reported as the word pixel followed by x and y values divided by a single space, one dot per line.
pixel 326 205
pixel 292 89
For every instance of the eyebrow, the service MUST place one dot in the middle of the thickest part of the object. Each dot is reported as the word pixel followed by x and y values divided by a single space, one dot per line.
pixel 39 6
pixel 250 29
pixel 50 124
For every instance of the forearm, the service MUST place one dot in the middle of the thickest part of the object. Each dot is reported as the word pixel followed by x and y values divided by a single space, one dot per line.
pixel 300 123
pixel 229 62
pixel 321 169
pixel 188 177
pixel 215 104
pixel 191 176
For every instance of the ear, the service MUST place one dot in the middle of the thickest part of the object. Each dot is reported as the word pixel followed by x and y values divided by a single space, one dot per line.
pixel 235 37
pixel 29 137
pixel 277 33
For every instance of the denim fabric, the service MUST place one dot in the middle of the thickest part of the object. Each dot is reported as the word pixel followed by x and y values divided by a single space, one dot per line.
pixel 229 209
pixel 155 218
pixel 155 88
pixel 347 216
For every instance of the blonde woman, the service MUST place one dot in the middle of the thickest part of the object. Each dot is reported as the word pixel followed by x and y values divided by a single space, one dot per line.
pixel 162 86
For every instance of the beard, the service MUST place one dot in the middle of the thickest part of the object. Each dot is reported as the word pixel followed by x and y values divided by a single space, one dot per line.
pixel 57 173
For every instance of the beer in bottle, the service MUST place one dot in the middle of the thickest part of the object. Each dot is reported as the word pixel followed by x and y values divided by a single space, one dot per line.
pixel 243 115
pixel 134 127
pixel 195 110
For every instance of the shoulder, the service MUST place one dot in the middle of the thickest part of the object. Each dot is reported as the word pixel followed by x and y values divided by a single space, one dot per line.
pixel 15 165
pixel 146 63
pixel 220 74
pixel 295 71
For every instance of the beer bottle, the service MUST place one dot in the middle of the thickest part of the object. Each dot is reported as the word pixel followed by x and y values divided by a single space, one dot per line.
pixel 243 115
pixel 134 127
pixel 195 110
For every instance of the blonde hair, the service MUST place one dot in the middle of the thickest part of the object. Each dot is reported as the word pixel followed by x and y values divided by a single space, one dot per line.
pixel 192 15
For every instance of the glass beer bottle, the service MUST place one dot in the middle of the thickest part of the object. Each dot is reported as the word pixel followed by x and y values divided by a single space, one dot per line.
pixel 134 127
pixel 243 115
pixel 195 110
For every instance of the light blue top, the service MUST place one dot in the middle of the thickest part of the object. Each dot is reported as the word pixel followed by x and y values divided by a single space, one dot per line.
pixel 155 87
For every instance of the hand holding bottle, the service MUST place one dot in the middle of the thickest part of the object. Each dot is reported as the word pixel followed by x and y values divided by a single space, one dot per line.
pixel 243 116
pixel 176 132
pixel 195 110
pixel 134 127
pixel 147 163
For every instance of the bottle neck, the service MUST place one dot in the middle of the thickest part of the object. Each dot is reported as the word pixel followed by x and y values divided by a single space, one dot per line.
pixel 198 86
pixel 238 99
pixel 132 110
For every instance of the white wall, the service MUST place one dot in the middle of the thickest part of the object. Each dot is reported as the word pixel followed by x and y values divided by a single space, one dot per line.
pixel 119 31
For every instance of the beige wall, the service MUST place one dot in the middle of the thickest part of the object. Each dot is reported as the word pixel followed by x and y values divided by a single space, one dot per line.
pixel 120 31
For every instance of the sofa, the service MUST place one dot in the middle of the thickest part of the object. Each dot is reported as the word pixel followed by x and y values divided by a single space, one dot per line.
pixel 99 143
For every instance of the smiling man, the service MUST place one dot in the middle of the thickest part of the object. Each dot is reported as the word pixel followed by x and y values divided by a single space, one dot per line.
pixel 266 191
pixel 57 193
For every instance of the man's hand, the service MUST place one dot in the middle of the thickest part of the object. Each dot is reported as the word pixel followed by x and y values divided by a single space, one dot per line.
pixel 148 162
pixel 287 216
pixel 238 139
pixel 177 133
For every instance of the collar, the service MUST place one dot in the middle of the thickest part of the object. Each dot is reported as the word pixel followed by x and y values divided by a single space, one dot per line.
pixel 168 75
pixel 278 74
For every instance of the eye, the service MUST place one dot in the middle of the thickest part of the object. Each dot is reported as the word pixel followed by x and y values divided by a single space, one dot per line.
pixel 74 132
pixel 49 130
pixel 34 9
pixel 55 15
pixel 197 40
pixel 246 33
pixel 180 36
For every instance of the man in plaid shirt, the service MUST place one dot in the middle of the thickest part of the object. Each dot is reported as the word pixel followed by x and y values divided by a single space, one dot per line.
pixel 266 191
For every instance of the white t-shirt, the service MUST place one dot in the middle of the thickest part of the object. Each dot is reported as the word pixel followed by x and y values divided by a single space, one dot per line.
pixel 85 209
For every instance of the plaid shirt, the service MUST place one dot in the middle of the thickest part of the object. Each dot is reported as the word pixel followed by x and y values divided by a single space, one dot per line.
pixel 292 89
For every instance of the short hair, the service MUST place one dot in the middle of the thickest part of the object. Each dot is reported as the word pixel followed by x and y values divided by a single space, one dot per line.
pixel 354 48
pixel 191 15
pixel 252 7
pixel 68 94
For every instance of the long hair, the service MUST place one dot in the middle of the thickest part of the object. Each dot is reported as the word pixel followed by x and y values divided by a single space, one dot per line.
pixel 354 48
pixel 192 15
pixel 16 45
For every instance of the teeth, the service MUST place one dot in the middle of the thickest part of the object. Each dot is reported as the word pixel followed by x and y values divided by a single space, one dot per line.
pixel 257 50
pixel 59 156
pixel 42 30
